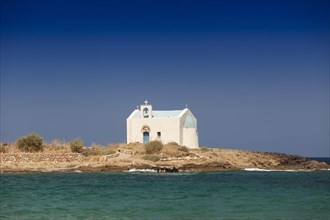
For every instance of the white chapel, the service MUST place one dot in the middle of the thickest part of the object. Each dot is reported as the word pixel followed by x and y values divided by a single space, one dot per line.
pixel 145 124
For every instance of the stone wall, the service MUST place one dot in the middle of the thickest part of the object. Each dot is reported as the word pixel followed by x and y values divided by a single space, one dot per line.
pixel 41 157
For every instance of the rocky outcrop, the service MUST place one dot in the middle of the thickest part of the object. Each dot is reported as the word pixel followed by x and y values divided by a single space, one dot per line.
pixel 194 159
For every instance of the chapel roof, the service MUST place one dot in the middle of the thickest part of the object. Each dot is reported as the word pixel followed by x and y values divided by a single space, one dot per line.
pixel 160 114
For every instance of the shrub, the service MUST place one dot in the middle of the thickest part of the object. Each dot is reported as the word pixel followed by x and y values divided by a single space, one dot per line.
pixel 87 152
pixel 3 149
pixel 173 143
pixel 175 150
pixel 77 145
pixel 153 147
pixel 183 149
pixel 30 143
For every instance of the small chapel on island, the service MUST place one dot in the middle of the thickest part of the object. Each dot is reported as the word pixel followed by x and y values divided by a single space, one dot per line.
pixel 145 124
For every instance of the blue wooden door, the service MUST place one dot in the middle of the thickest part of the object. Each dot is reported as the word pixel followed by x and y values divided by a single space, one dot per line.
pixel 145 137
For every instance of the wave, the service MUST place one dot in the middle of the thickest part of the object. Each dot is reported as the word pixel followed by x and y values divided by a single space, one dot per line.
pixel 142 170
pixel 265 170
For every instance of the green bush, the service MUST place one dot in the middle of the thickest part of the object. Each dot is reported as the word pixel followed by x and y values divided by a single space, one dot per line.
pixel 30 143
pixel 153 147
pixel 77 145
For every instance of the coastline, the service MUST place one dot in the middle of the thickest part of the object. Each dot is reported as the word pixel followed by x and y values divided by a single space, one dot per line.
pixel 202 159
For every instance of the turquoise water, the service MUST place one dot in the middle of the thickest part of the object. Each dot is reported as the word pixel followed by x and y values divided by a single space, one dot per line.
pixel 197 195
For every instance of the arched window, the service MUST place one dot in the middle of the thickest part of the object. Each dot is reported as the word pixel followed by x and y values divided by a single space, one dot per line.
pixel 146 113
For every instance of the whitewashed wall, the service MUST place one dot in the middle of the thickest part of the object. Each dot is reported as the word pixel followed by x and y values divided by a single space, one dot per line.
pixel 173 129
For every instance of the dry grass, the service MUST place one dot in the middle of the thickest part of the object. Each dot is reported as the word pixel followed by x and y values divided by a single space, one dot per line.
pixel 153 147
pixel 175 150
pixel 153 158
pixel 57 146
pixel 136 147
pixel 99 150
pixel 8 148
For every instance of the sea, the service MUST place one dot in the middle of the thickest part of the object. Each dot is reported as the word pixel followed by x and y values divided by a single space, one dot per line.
pixel 321 159
pixel 253 194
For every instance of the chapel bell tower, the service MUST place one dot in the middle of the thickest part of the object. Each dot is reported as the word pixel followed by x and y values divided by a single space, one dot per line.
pixel 146 110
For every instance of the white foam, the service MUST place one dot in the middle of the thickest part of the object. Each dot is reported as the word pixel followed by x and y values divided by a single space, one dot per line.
pixel 265 170
pixel 257 169
pixel 142 170
pixel 325 169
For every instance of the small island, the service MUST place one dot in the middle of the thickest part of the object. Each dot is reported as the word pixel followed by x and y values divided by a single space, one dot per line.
pixel 60 156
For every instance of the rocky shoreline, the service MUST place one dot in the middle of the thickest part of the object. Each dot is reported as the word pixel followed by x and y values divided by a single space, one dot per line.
pixel 203 159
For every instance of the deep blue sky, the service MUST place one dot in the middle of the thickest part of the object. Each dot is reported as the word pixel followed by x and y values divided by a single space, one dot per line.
pixel 254 73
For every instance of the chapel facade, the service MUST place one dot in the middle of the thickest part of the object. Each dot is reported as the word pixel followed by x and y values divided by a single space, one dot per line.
pixel 145 124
